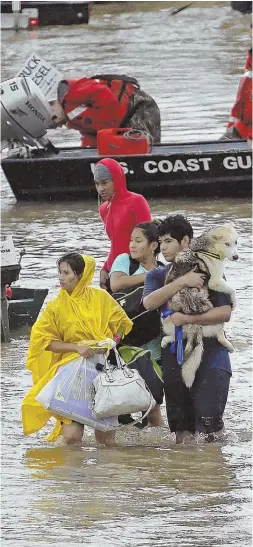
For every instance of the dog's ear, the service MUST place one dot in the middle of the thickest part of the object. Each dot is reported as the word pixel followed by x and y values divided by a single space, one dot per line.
pixel 224 231
pixel 219 232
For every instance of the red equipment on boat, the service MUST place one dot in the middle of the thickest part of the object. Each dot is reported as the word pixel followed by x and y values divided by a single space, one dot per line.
pixel 123 141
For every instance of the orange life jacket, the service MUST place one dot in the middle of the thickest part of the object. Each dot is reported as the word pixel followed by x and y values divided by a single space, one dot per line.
pixel 241 113
pixel 100 102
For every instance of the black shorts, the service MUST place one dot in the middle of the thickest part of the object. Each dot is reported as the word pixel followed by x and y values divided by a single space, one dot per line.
pixel 200 408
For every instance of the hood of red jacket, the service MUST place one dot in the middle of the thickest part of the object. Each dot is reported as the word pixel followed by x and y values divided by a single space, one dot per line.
pixel 118 177
pixel 67 89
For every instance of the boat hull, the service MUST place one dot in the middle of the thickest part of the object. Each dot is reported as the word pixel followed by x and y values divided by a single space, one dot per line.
pixel 24 306
pixel 207 169
pixel 44 13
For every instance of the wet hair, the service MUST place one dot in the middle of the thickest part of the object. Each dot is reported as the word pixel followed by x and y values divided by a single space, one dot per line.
pixel 150 232
pixel 177 226
pixel 74 260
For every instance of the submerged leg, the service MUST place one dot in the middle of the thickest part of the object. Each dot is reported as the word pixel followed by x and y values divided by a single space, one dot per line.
pixel 155 418
pixel 73 433
pixel 211 391
pixel 105 437
pixel 184 437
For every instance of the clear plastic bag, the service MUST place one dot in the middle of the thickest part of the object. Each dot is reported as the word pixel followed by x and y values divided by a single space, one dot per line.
pixel 69 393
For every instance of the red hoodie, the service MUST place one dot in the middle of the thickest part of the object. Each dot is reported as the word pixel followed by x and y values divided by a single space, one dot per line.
pixel 121 214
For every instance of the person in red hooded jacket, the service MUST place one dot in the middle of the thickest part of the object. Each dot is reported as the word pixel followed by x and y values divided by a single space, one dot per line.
pixel 240 121
pixel 104 102
pixel 120 210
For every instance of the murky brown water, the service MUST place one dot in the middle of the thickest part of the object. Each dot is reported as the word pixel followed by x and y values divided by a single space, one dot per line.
pixel 147 491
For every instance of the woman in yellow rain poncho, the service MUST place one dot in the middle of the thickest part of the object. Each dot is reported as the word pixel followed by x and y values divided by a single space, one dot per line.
pixel 79 313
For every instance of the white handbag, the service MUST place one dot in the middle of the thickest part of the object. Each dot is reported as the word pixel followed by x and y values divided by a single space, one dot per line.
pixel 120 390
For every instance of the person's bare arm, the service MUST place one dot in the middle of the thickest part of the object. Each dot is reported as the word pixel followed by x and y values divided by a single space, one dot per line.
pixel 63 347
pixel 159 297
pixel 104 275
pixel 120 281
pixel 214 316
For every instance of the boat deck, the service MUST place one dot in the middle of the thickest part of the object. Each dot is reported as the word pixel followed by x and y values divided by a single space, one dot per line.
pixel 157 150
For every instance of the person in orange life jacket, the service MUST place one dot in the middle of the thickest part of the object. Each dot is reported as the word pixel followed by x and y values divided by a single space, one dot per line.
pixel 240 121
pixel 120 211
pixel 8 292
pixel 107 101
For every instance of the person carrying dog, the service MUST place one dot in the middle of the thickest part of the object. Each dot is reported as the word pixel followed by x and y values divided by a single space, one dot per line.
pixel 102 102
pixel 199 409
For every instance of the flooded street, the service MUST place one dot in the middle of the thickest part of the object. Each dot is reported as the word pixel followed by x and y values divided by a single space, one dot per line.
pixel 147 491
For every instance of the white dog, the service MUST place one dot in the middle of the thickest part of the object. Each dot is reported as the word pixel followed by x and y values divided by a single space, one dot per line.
pixel 206 254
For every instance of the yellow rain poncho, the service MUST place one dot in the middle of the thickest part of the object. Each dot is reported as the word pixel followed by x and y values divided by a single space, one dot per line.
pixel 89 313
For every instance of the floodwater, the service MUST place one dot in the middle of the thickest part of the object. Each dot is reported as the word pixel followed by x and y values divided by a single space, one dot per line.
pixel 147 491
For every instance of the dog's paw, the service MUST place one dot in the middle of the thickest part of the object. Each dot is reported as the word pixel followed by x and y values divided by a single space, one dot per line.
pixel 225 342
pixel 165 341
pixel 230 347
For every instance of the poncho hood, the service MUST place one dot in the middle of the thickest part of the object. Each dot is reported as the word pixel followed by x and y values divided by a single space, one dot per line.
pixel 118 178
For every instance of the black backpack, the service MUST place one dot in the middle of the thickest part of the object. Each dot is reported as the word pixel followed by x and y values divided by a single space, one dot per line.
pixel 146 323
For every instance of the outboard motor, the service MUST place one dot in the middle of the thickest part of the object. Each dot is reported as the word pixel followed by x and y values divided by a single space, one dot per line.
pixel 25 113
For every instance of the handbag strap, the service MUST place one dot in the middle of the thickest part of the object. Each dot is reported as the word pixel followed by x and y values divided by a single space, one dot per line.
pixel 119 359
